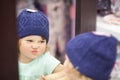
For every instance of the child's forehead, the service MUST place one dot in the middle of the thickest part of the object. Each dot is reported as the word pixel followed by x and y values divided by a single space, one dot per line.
pixel 33 37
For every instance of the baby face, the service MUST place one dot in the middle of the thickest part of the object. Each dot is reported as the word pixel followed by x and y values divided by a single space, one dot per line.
pixel 31 47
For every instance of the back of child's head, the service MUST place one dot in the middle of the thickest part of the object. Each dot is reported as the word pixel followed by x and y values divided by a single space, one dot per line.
pixel 32 22
pixel 93 55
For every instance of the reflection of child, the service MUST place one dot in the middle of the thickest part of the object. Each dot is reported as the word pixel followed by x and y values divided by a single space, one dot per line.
pixel 92 56
pixel 34 58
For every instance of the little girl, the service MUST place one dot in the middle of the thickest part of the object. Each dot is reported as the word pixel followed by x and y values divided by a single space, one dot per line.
pixel 90 56
pixel 34 58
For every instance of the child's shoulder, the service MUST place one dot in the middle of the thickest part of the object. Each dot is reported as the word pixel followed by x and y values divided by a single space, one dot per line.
pixel 47 57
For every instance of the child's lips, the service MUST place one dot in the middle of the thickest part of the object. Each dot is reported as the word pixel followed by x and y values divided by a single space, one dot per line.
pixel 34 51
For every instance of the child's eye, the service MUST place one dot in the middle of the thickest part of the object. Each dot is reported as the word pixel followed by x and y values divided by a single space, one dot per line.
pixel 42 41
pixel 29 40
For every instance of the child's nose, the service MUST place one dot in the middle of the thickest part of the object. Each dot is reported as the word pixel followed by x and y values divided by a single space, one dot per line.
pixel 35 45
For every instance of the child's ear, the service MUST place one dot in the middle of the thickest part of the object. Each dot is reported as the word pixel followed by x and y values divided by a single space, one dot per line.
pixel 66 61
pixel 47 48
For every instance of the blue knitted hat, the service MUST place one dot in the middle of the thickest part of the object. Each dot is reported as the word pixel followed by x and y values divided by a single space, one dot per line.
pixel 93 55
pixel 31 22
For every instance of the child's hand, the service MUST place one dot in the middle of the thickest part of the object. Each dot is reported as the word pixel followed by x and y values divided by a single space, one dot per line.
pixel 56 76
pixel 43 78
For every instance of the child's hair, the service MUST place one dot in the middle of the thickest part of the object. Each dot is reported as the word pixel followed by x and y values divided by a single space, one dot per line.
pixel 37 5
pixel 93 55
pixel 32 22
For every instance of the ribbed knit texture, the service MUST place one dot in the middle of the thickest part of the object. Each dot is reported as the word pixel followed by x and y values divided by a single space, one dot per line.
pixel 32 23
pixel 93 55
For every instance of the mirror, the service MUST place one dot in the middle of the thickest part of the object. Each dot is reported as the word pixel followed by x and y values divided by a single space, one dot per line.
pixel 61 15
pixel 54 10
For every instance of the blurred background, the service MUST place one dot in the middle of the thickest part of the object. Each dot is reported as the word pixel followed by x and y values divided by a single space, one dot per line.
pixel 108 20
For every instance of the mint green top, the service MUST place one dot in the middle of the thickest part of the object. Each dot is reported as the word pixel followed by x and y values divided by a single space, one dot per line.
pixel 42 65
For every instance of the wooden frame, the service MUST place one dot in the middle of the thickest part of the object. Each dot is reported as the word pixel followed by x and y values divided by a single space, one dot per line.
pixel 85 16
pixel 8 41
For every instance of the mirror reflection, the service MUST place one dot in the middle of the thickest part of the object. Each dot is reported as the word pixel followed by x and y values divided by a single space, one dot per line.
pixel 44 27
pixel 42 50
